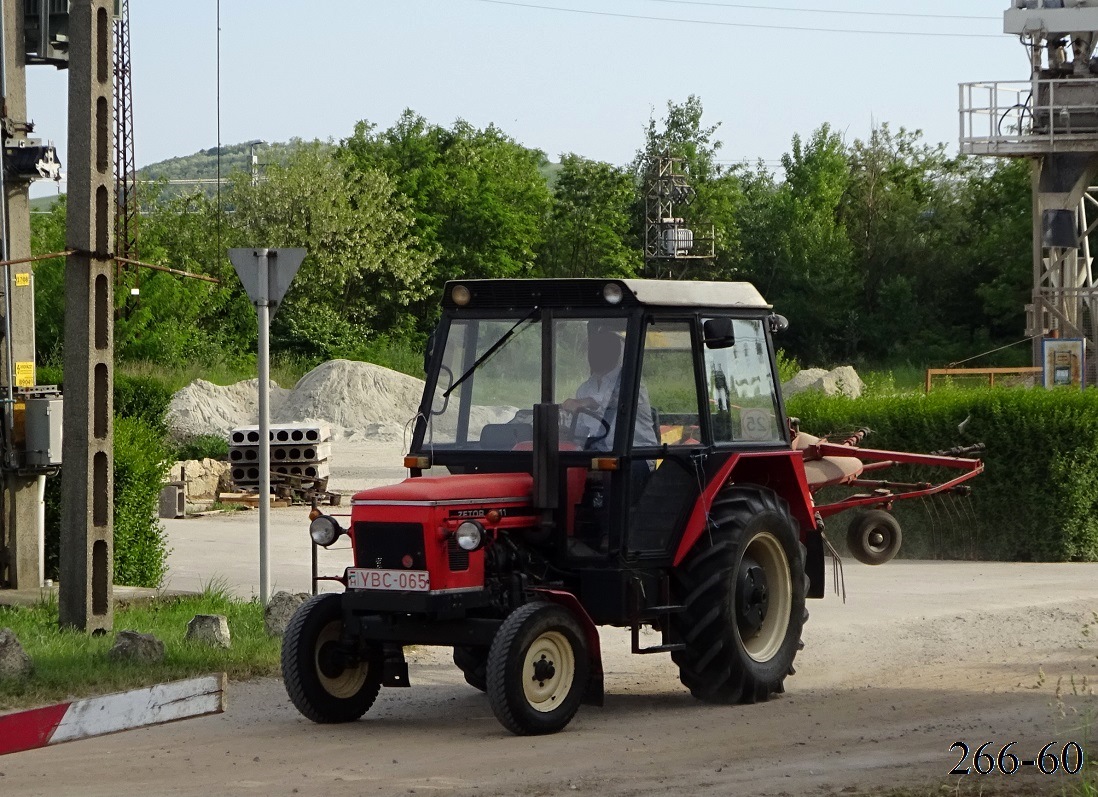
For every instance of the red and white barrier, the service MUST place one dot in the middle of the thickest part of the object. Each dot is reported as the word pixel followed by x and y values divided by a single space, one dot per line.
pixel 97 716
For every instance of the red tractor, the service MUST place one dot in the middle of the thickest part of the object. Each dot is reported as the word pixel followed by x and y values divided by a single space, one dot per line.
pixel 590 452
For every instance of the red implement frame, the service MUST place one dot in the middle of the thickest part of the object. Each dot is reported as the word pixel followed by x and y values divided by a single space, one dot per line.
pixel 886 492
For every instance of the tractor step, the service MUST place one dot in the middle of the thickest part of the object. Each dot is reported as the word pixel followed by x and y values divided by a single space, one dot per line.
pixel 662 648
pixel 662 612
pixel 652 611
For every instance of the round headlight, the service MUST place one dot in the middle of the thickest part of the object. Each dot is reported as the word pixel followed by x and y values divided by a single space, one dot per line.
pixel 611 292
pixel 325 530
pixel 469 535
pixel 461 296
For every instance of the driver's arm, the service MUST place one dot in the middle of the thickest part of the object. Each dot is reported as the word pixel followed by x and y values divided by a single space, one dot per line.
pixel 573 404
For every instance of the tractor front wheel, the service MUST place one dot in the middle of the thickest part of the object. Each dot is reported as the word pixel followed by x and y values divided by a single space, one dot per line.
pixel 537 669
pixel 874 537
pixel 743 590
pixel 326 681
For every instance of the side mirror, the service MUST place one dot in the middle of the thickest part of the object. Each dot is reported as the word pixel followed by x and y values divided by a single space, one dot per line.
pixel 778 323
pixel 718 333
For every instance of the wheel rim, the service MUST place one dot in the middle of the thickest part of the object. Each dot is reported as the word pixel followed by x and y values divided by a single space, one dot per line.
pixel 336 678
pixel 877 540
pixel 764 597
pixel 548 670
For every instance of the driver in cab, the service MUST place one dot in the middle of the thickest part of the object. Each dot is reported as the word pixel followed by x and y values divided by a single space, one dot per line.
pixel 596 398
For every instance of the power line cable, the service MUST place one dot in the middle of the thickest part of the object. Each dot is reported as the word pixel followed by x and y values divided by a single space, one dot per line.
pixel 823 10
pixel 756 26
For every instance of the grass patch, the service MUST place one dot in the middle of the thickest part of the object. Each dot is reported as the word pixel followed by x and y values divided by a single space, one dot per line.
pixel 72 664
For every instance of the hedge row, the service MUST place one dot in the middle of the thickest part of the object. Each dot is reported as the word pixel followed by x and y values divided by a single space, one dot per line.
pixel 1037 499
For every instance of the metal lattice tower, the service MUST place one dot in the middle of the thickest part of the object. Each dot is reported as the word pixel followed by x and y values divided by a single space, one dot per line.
pixel 668 243
pixel 127 208
pixel 1052 120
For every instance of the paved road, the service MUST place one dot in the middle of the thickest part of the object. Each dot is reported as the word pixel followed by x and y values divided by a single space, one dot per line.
pixel 922 655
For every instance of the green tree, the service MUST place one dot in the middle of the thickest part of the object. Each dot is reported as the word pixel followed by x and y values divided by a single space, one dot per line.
pixel 364 265
pixel 48 235
pixel 996 240
pixel 479 199
pixel 805 264
pixel 589 231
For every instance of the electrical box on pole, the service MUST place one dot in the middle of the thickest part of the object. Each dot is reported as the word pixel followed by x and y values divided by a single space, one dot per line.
pixel 266 275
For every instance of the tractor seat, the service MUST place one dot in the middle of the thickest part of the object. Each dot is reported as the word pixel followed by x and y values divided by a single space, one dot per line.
pixel 826 470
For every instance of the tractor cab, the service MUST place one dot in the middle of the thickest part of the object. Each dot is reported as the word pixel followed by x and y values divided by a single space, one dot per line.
pixel 616 397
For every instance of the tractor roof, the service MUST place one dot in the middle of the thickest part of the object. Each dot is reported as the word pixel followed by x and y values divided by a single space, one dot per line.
pixel 517 293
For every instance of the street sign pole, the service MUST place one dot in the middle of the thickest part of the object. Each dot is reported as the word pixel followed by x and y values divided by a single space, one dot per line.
pixel 263 311
pixel 266 275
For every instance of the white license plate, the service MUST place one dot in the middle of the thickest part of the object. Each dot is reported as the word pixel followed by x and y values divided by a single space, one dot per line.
pixel 394 580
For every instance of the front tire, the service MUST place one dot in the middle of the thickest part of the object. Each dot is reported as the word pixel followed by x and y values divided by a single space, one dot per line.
pixel 743 588
pixel 538 669
pixel 325 682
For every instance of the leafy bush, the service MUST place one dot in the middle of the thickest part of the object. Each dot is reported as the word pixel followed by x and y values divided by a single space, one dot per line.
pixel 787 366
pixel 201 447
pixel 140 463
pixel 142 397
pixel 1038 497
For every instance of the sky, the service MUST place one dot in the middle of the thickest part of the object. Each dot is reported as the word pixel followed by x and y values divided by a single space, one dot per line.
pixel 558 81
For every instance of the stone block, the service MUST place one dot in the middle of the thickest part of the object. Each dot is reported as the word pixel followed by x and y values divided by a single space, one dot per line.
pixel 136 647
pixel 14 661
pixel 280 610
pixel 209 629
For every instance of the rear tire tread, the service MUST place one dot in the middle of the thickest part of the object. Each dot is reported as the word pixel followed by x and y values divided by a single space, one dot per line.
pixel 712 666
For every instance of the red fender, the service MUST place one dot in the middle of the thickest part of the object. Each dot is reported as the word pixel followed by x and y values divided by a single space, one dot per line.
pixel 780 471
pixel 594 695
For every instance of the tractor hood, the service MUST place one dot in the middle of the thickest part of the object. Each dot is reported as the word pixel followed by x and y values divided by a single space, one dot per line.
pixel 463 489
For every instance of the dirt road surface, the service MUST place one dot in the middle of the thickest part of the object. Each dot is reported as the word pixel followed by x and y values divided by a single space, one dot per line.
pixel 922 655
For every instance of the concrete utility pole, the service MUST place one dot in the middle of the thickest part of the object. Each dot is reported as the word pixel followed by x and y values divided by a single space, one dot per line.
pixel 20 556
pixel 87 515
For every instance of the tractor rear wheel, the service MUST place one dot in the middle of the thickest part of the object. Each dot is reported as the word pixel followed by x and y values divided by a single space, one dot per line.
pixel 743 588
pixel 538 669
pixel 473 663
pixel 874 537
pixel 326 682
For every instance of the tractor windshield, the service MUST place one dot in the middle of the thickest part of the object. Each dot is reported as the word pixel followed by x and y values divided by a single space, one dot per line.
pixel 490 379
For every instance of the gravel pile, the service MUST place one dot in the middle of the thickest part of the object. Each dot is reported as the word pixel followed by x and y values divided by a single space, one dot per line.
pixel 359 400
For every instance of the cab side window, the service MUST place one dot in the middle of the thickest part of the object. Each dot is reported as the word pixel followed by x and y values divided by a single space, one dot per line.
pixel 669 394
pixel 743 403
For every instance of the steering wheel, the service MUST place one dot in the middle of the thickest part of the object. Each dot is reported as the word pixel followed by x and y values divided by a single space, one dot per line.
pixel 571 427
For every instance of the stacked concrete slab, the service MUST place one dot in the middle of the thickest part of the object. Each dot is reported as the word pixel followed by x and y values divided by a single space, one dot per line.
pixel 299 457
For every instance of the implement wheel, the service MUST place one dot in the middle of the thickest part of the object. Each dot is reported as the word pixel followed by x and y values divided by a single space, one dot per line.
pixel 326 681
pixel 874 537
pixel 743 587
pixel 537 669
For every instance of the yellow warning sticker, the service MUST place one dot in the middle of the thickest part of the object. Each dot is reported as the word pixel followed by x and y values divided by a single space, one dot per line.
pixel 24 374
pixel 22 279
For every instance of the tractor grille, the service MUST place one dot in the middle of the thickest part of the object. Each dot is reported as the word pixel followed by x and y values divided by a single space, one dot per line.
pixel 384 546
pixel 459 557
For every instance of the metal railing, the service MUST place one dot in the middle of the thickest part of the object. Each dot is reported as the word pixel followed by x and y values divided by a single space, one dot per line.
pixel 1029 117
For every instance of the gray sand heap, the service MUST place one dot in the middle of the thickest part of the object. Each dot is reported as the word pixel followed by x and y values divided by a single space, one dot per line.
pixel 359 400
